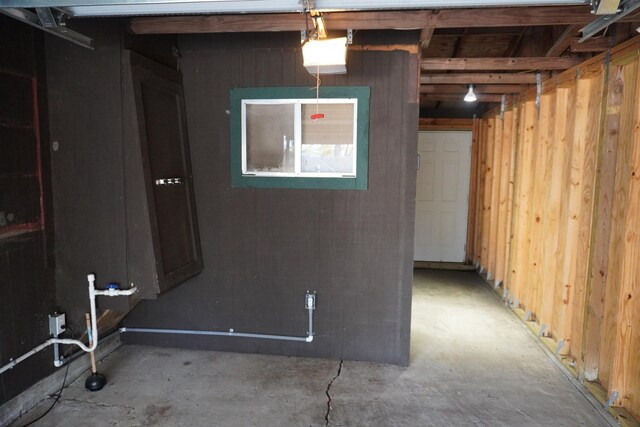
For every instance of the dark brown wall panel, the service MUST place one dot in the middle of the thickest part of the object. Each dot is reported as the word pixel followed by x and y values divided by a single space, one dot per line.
pixel 27 287
pixel 263 248
pixel 27 294
pixel 86 124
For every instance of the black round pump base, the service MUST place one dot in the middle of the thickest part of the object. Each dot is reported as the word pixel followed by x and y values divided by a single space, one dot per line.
pixel 95 382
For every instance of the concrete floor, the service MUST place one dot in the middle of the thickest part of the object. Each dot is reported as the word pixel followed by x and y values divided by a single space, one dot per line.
pixel 472 364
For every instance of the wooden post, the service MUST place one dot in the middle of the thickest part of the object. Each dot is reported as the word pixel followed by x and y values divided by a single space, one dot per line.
pixel 482 151
pixel 516 236
pixel 562 298
pixel 473 190
pixel 486 199
pixel 607 153
pixel 616 337
pixel 495 197
pixel 582 176
pixel 554 172
pixel 515 126
pixel 539 189
pixel 503 190
pixel 625 373
pixel 523 194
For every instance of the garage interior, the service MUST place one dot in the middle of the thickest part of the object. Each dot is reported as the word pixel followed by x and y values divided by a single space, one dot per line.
pixel 123 143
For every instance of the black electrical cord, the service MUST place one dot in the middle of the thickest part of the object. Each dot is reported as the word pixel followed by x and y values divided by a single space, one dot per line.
pixel 64 381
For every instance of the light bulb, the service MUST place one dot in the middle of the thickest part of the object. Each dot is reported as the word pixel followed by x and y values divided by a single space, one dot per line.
pixel 470 96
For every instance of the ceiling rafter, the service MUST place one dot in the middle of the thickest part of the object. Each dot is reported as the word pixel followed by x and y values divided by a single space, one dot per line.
pixel 516 42
pixel 461 89
pixel 398 20
pixel 426 34
pixel 444 97
pixel 594 44
pixel 481 78
pixel 564 41
pixel 510 64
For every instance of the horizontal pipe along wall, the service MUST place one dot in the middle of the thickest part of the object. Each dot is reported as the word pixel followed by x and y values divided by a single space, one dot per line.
pixel 557 179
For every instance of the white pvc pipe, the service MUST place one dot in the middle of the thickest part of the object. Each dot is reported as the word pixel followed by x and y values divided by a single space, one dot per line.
pixel 231 333
pixel 91 278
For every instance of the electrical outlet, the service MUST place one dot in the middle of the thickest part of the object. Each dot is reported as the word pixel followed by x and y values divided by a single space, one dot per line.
pixel 56 324
pixel 310 300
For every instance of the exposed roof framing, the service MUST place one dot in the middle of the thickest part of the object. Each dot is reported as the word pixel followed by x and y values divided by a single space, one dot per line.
pixel 480 78
pixel 45 20
pixel 396 20
pixel 564 41
pixel 492 44
pixel 488 64
pixel 485 89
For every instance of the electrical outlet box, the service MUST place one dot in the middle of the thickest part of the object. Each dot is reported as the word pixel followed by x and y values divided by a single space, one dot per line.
pixel 310 301
pixel 56 324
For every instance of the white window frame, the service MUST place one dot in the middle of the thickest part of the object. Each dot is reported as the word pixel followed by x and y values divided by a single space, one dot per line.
pixel 298 102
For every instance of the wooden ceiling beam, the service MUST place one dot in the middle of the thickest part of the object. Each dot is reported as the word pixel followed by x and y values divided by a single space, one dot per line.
pixel 484 64
pixel 516 42
pixel 377 20
pixel 444 97
pixel 426 35
pixel 594 44
pixel 480 78
pixel 511 16
pixel 462 89
pixel 564 41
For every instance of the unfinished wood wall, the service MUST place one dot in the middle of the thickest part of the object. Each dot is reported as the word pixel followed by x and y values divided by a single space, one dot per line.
pixel 557 217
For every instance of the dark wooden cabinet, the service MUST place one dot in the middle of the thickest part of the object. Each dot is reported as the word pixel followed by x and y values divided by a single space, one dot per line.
pixel 168 185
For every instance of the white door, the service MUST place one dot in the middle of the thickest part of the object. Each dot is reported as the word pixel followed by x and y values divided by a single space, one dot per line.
pixel 442 196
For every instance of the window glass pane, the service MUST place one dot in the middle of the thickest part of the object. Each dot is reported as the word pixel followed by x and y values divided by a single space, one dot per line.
pixel 328 143
pixel 270 138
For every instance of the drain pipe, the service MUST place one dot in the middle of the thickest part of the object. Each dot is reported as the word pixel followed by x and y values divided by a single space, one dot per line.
pixel 309 304
pixel 91 278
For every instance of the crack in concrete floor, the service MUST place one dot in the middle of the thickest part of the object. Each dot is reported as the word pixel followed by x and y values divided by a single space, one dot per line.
pixel 471 364
pixel 326 415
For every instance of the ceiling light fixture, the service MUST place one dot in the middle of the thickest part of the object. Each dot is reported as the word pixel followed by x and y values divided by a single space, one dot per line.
pixel 328 56
pixel 322 55
pixel 470 96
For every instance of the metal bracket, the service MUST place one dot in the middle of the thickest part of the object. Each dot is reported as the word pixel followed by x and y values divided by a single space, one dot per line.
pixel 605 7
pixel 538 89
pixel 44 20
pixel 543 329
pixel 303 36
pixel 307 5
pixel 497 284
pixel 625 8
pixel 349 36
pixel 612 399
pixel 502 106
pixel 559 347
pixel 527 316
pixel 46 17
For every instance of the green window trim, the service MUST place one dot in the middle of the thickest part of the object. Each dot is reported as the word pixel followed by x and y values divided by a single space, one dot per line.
pixel 359 182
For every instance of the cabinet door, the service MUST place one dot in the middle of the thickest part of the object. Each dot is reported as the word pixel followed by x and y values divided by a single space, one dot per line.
pixel 164 146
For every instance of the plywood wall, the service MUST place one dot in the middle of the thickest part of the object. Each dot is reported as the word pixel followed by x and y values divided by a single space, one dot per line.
pixel 263 248
pixel 557 217
pixel 27 293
